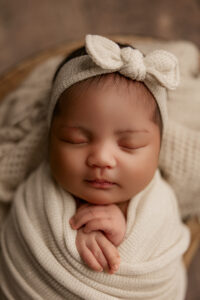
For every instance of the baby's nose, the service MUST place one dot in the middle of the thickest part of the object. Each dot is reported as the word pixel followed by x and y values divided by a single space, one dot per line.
pixel 102 156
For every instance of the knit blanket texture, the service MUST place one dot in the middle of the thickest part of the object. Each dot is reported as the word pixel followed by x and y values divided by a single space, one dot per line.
pixel 40 260
pixel 24 132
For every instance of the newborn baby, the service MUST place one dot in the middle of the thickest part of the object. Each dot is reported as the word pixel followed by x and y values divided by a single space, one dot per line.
pixel 107 115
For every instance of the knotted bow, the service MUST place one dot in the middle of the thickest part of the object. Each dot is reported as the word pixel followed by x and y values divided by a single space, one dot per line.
pixel 160 65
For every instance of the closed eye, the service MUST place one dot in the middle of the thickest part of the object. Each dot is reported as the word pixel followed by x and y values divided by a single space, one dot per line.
pixel 73 136
pixel 133 142
pixel 131 148
pixel 74 141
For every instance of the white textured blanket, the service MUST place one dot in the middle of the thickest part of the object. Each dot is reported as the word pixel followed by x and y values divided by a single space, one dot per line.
pixel 40 261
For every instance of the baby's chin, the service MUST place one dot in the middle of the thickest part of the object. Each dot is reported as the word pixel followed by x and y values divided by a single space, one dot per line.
pixel 99 199
pixel 100 202
pixel 96 200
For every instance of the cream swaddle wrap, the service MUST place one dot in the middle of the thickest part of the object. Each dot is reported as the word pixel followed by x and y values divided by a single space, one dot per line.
pixel 42 262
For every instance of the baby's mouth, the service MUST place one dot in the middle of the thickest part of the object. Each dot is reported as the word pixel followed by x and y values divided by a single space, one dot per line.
pixel 100 183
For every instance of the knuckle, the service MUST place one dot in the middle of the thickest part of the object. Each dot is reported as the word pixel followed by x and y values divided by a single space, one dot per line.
pixel 90 226
pixel 101 222
pixel 91 210
pixel 97 253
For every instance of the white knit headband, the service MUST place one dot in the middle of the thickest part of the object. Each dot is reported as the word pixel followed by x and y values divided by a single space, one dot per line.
pixel 158 70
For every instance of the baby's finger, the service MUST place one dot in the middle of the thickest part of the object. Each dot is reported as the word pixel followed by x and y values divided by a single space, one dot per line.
pixel 111 254
pixel 78 214
pixel 98 224
pixel 107 227
pixel 83 206
pixel 90 260
pixel 99 255
pixel 86 214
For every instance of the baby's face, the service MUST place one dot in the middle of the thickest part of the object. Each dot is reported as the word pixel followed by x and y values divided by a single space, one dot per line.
pixel 104 147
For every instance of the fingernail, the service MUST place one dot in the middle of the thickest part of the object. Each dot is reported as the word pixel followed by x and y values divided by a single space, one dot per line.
pixel 72 223
pixel 115 267
pixel 100 269
pixel 111 271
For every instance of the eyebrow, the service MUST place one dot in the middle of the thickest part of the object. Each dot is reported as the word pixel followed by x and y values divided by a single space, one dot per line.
pixel 74 127
pixel 131 131
pixel 82 129
pixel 118 132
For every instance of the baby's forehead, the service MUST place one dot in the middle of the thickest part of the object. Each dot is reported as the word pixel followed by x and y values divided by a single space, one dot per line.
pixel 107 95
pixel 112 81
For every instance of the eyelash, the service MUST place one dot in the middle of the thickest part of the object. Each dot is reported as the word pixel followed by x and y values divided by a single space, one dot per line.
pixel 129 148
pixel 126 148
pixel 73 143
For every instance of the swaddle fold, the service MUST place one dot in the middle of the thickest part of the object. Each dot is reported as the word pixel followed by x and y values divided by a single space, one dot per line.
pixel 39 258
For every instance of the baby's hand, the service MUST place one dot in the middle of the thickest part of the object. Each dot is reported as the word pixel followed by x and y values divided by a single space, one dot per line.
pixel 97 251
pixel 106 218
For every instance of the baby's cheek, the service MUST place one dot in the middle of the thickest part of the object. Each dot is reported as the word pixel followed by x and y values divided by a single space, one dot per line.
pixel 71 160
pixel 68 167
pixel 138 173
